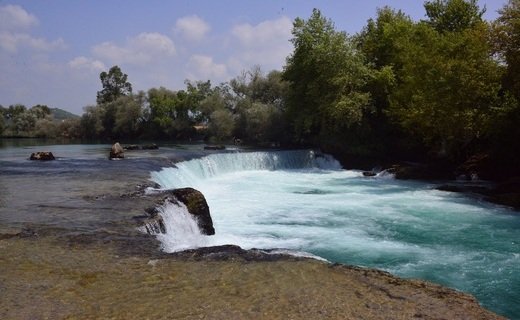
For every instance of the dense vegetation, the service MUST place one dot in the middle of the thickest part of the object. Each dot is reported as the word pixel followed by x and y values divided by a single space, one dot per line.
pixel 446 87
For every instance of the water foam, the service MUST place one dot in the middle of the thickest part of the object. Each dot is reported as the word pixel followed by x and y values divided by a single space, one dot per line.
pixel 190 172
pixel 182 230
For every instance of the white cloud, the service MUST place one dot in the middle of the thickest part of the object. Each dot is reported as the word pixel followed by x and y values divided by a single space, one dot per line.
pixel 85 63
pixel 265 44
pixel 15 17
pixel 14 33
pixel 266 32
pixel 192 27
pixel 141 49
pixel 203 67
pixel 12 42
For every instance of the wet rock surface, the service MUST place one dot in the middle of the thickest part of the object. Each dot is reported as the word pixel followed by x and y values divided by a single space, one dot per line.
pixel 117 152
pixel 93 278
pixel 194 201
pixel 42 156
pixel 215 147
pixel 132 147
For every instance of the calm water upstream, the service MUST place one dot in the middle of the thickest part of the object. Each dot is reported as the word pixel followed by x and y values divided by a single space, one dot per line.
pixel 297 200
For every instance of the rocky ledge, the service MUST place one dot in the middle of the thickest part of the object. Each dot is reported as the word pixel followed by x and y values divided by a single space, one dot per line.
pixel 59 280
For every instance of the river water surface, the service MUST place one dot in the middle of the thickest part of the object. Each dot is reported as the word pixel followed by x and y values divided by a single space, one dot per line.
pixel 296 200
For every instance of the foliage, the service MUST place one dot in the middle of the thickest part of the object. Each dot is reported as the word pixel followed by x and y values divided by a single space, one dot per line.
pixel 114 84
pixel 453 15
pixel 448 87
pixel 60 114
pixel 326 79
pixel 506 40
pixel 222 124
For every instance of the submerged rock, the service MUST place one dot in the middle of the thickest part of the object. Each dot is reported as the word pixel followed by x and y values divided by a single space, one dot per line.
pixel 117 152
pixel 421 172
pixel 42 155
pixel 215 147
pixel 70 281
pixel 131 147
pixel 152 146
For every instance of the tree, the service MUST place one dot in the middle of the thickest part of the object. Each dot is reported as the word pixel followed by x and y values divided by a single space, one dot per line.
pixel 506 40
pixel 14 110
pixel 40 111
pixel 453 15
pixel 161 104
pixel 91 123
pixel 114 84
pixel 128 116
pixel 222 124
pixel 327 78
pixel 448 84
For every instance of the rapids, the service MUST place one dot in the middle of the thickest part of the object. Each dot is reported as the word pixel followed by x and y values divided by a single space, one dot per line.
pixel 303 201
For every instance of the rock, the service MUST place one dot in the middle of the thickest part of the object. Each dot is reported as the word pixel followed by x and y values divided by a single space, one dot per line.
pixel 421 172
pixel 449 188
pixel 478 165
pixel 507 193
pixel 131 147
pixel 193 200
pixel 152 146
pixel 215 147
pixel 197 206
pixel 369 174
pixel 42 155
pixel 117 152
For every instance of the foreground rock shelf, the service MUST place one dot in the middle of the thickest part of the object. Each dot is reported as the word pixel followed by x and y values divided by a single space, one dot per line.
pixel 47 277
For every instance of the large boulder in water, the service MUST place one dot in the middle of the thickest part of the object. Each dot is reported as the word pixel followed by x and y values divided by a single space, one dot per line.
pixel 197 206
pixel 42 155
pixel 117 152
pixel 193 200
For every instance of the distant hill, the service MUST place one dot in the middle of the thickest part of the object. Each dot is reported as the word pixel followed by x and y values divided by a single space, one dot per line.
pixel 60 114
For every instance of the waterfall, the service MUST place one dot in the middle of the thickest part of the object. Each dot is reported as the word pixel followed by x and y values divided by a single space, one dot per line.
pixel 188 173
pixel 182 231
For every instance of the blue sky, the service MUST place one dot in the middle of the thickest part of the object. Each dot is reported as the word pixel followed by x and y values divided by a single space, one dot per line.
pixel 51 52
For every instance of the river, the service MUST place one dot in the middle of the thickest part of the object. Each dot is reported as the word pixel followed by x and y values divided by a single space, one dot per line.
pixel 300 200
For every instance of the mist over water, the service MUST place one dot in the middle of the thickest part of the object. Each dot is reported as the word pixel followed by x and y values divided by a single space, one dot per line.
pixel 303 201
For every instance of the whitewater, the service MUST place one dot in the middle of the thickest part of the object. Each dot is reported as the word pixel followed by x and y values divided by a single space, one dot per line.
pixel 303 201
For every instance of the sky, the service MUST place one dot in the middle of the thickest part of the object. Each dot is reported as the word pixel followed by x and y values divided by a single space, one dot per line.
pixel 52 52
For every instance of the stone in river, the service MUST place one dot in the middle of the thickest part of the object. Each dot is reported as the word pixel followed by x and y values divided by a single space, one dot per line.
pixel 42 155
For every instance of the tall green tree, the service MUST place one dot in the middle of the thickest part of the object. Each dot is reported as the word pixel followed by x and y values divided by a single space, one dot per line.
pixel 114 84
pixel 327 79
pixel 453 15
pixel 449 83
pixel 161 103
pixel 506 40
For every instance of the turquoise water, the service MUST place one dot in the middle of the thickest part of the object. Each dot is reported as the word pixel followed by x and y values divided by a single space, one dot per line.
pixel 303 201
